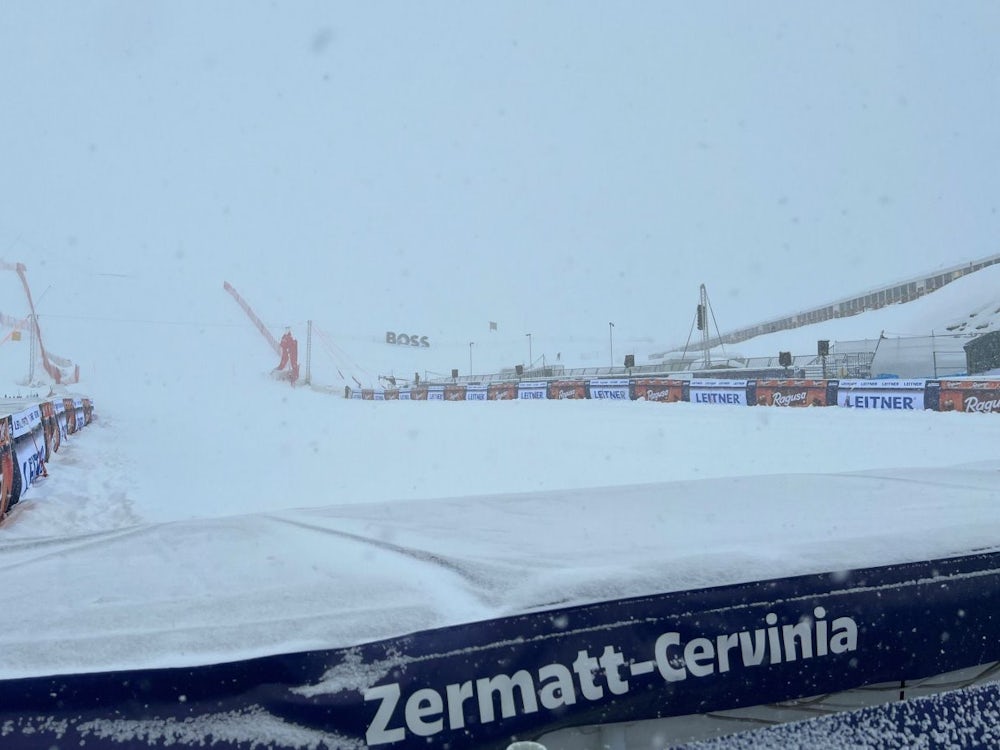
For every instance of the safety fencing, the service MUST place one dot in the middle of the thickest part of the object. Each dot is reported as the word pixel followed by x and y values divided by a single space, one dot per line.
pixel 59 369
pixel 966 395
pixel 31 431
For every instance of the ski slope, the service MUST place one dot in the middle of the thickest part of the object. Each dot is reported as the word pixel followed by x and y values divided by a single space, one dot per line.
pixel 210 518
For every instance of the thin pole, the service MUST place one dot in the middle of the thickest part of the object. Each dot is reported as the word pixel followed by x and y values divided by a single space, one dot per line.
pixel 309 348
pixel 611 341
pixel 31 350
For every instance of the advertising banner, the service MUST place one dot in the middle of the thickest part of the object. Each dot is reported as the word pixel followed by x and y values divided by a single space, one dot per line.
pixel 454 393
pixel 571 389
pixel 50 429
pixel 435 393
pixel 786 392
pixel 367 394
pixel 391 394
pixel 483 685
pixel 616 389
pixel 531 390
pixel 28 448
pixel 78 412
pixel 718 391
pixel 663 390
pixel 70 415
pixel 59 407
pixel 356 395
pixel 475 393
pixel 26 419
pixel 502 391
pixel 6 463
pixel 981 396
pixel 895 394
pixel 404 394
pixel 418 393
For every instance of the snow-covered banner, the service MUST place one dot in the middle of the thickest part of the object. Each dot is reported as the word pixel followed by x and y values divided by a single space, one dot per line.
pixel 979 396
pixel 454 393
pixel 6 463
pixel 532 390
pixel 610 388
pixel 782 392
pixel 882 394
pixel 567 389
pixel 887 394
pixel 475 393
pixel 662 390
pixel 27 419
pixel 713 391
pixel 502 391
pixel 482 685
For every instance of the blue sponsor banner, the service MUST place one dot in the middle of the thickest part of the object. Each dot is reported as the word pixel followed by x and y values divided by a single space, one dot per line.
pixel 481 685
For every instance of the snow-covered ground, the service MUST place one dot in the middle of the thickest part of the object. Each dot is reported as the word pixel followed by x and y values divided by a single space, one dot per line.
pixel 566 172
pixel 211 513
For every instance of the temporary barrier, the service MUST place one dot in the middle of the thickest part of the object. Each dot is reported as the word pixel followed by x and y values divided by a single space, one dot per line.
pixel 484 685
pixel 616 389
pixel 6 463
pixel 532 390
pixel 792 392
pixel 29 446
pixel 59 410
pixel 454 393
pixel 50 428
pixel 718 391
pixel 78 414
pixel 973 395
pixel 31 431
pixel 886 393
pixel 476 393
pixel 980 396
pixel 567 389
pixel 663 390
pixel 501 391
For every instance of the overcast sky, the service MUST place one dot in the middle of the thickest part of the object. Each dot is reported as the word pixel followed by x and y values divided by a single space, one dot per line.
pixel 551 166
